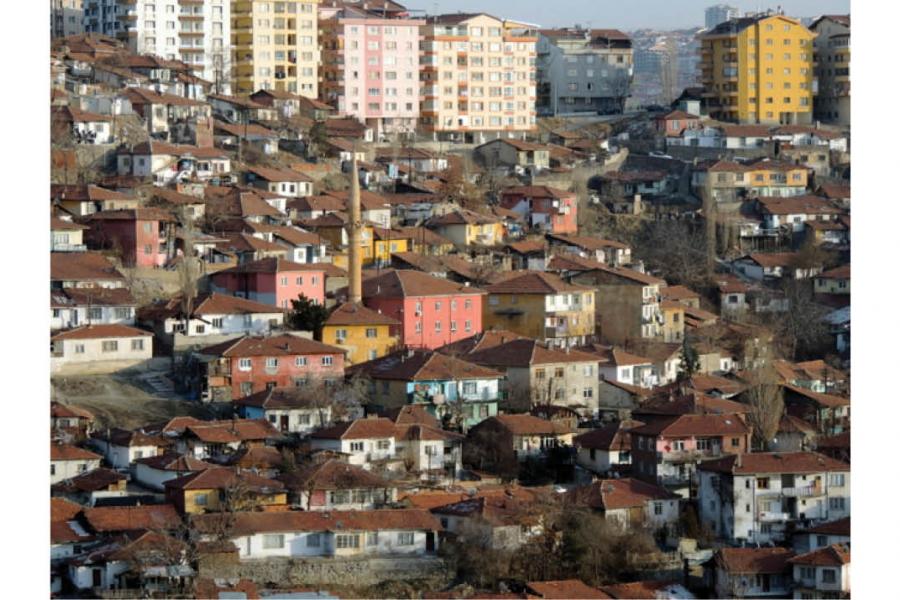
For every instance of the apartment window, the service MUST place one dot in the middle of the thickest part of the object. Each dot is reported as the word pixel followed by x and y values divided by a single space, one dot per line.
pixel 371 332
pixel 657 508
pixel 201 499
pixel 110 346
pixel 470 388
pixel 327 361
pixel 836 503
pixel 836 479
pixel 244 364
pixel 347 540
pixel 405 538
pixel 340 335
pixel 437 326
pixel 137 344
pixel 829 576
pixel 271 363
pixel 300 361
pixel 807 572
pixel 468 325
pixel 313 540
pixel 762 483
pixel 383 444
pixel 79 349
pixel 735 442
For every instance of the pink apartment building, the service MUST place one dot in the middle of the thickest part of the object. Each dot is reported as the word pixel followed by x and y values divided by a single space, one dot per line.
pixel 272 281
pixel 370 66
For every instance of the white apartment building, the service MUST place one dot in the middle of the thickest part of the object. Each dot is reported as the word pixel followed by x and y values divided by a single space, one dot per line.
pixel 753 497
pixel 197 32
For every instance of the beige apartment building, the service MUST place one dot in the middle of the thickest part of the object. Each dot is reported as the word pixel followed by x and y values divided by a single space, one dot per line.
pixel 478 78
pixel 275 46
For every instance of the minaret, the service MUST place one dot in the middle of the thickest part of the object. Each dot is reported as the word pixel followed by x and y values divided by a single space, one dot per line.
pixel 355 258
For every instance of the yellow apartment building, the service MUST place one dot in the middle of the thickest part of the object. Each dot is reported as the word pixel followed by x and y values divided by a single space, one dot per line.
pixel 275 46
pixel 364 333
pixel 759 69
pixel 478 78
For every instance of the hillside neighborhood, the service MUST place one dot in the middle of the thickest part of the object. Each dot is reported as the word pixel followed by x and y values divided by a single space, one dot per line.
pixel 353 300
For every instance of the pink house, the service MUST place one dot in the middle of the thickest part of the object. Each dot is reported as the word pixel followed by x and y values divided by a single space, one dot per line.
pixel 432 311
pixel 370 65
pixel 676 122
pixel 141 236
pixel 272 281
pixel 547 209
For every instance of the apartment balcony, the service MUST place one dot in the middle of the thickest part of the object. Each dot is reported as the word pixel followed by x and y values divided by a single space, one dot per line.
pixel 803 492
pixel 69 248
pixel 772 517
pixel 683 456
pixel 185 16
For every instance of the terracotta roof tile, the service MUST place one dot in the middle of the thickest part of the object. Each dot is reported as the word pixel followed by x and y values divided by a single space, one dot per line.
pixel 246 523
pixel 565 589
pixel 774 462
pixel 130 518
pixel 407 283
pixel 277 345
pixel 82 266
pixel 525 352
pixel 220 478
pixel 357 314
pixel 67 452
pixel 422 365
pixel 236 430
pixel 95 332
pixel 838 527
pixel 92 481
pixel 615 494
pixel 359 429
pixel 535 283
pixel 754 560
pixel 694 425
pixel 333 475
pixel 835 555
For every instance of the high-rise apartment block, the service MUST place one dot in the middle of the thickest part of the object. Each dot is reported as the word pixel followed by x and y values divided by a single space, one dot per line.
pixel 583 70
pixel 758 69
pixel 719 13
pixel 197 32
pixel 832 55
pixel 66 18
pixel 370 65
pixel 478 78
pixel 275 46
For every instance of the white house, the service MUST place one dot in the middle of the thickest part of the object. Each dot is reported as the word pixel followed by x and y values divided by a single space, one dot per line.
pixel 429 451
pixel 752 572
pixel 335 485
pixel 121 447
pixel 822 573
pixel 629 502
pixel 288 409
pixel 165 163
pixel 68 461
pixel 99 349
pixel 300 534
pixel 606 448
pixel 822 535
pixel 154 471
pixel 704 137
pixel 623 367
pixel 284 182
pixel 752 497
pixel 72 307
pixel 772 265
pixel 805 135
pixel 66 236
pixel 365 441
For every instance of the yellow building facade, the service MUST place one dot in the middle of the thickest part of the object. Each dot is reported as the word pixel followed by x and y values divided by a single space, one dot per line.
pixel 364 333
pixel 759 70
pixel 275 46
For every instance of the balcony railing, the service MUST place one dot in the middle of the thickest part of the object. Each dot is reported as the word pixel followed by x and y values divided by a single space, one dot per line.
pixel 803 492
pixel 692 455
pixel 769 517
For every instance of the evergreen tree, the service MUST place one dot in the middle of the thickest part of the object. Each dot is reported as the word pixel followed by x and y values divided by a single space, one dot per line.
pixel 306 315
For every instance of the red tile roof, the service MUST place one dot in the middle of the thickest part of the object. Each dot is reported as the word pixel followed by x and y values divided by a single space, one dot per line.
pixel 333 475
pixel 360 429
pixel 612 437
pixel 273 265
pixel 774 462
pixel 535 283
pixel 694 425
pixel 129 518
pixel 409 283
pixel 248 523
pixel 835 555
pixel 525 352
pixel 838 527
pixel 63 510
pixel 237 430
pixel 528 425
pixel 277 345
pixel 68 452
pixel 82 266
pixel 357 314
pixel 422 365
pixel 95 332
pixel 220 478
pixel 754 560
pixel 615 494
pixel 565 589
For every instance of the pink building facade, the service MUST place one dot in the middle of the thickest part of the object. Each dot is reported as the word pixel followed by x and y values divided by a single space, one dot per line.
pixel 371 69
pixel 271 281
pixel 139 236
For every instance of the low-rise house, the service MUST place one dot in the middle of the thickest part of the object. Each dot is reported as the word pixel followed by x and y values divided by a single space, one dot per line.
pixel 606 449
pixel 793 435
pixel 337 485
pixel 83 269
pixel 222 439
pixel 236 109
pixel 66 236
pixel 727 182
pixel 822 573
pixel 83 127
pixel 289 409
pixel 610 252
pixel 164 163
pixel 142 237
pixel 304 247
pixel 272 281
pixel 540 375
pixel 223 489
pixel 300 534
pixel 430 452
pixel 519 436
pixel 623 367
pixel 626 303
pixel 514 154
pixel 121 447
pixel 502 520
pixel 432 312
pixel 467 228
pixel 629 503
pixel 68 461
pixel 667 451
pixel 91 486
pixel 243 366
pixel 795 212
pixel 417 159
pixel 163 112
pixel 822 535
pixel 544 208
pixel 154 471
pixel 366 442
pixel 284 182
pixel 82 200
pixel 836 446
pixel 363 333
pixel 68 421
pixel 455 391
pixel 754 498
pixel 230 136
pixel 627 184
pixel 828 413
pixel 213 316
pixel 72 307
pixel 808 135
pixel 752 572
pixel 99 349
pixel 833 281
pixel 675 123
pixel 542 306
pixel 773 265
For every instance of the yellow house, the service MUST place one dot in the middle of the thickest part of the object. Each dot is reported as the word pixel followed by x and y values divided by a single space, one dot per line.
pixel 673 321
pixel 758 69
pixel 221 488
pixel 387 242
pixel 542 306
pixel 468 228
pixel 332 228
pixel 426 242
pixel 364 333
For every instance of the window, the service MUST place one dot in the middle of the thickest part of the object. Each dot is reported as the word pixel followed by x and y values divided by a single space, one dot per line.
pixel 137 344
pixel 53 469
pixel 762 483
pixel 121 313
pixel 300 361
pixel 110 346
pixel 273 540
pixel 313 540
pixel 79 349
pixel 356 446
pixel 201 499
pixel 807 572
pixel 468 325
pixel 468 304
pixel 836 503
pixel 347 540
pixel 245 364
pixel 405 538
pixel 821 540
pixel 657 508
pixel 271 363
pixel 95 313
pixel 371 332
pixel 246 388
pixel 327 361
pixel 836 479
pixel 340 335
pixel 735 442
pixel 383 444
pixel 829 576
pixel 470 388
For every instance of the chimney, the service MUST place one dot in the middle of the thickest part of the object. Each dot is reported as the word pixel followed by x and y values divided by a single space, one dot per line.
pixel 355 259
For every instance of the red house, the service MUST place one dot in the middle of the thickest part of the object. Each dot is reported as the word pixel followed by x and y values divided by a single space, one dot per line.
pixel 142 236
pixel 674 123
pixel 247 365
pixel 432 311
pixel 545 208
pixel 272 281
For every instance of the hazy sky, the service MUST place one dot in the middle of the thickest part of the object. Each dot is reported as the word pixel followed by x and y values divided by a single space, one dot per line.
pixel 620 14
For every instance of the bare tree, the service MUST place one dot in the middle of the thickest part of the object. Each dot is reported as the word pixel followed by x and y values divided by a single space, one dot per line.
pixel 188 269
pixel 766 402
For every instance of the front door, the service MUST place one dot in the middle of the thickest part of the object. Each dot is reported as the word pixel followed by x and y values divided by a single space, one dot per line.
pixel 97 577
pixel 429 541
pixel 284 422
